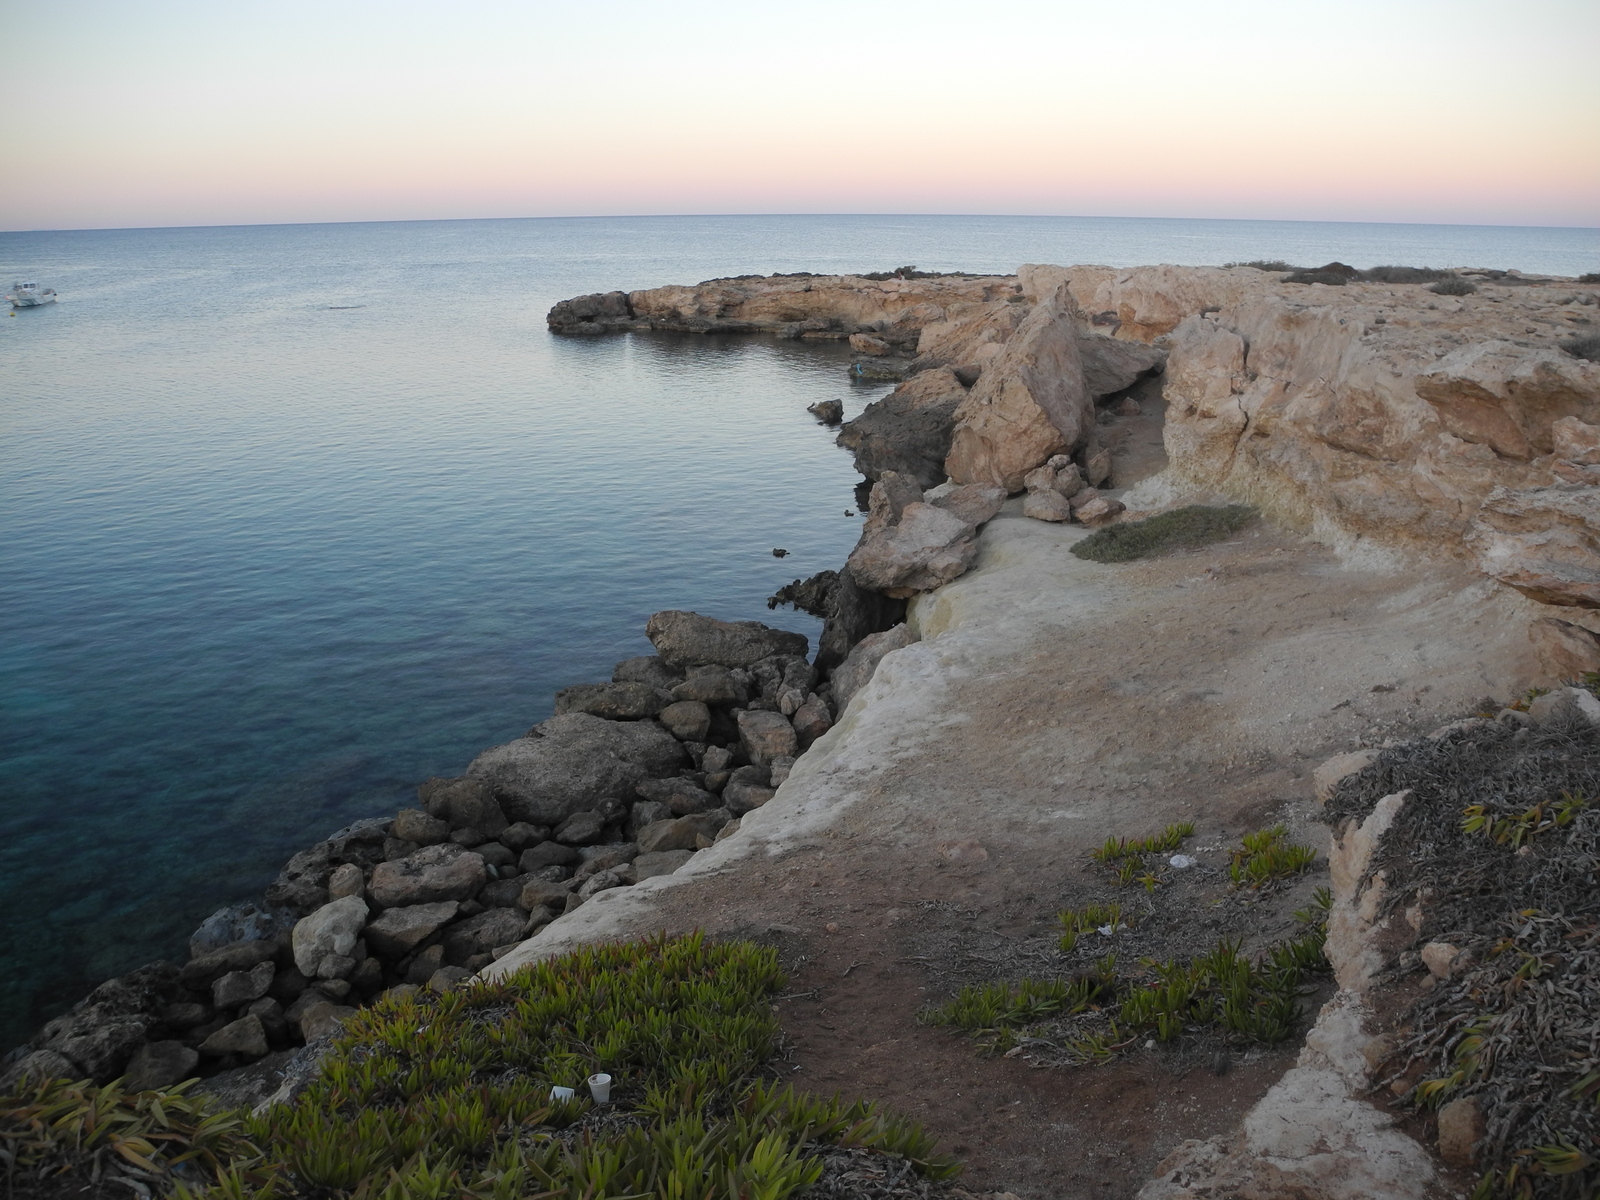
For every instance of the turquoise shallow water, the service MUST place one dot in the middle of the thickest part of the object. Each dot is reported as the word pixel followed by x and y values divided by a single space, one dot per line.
pixel 296 516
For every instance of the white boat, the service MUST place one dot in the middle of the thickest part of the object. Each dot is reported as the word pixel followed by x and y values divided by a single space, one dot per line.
pixel 30 295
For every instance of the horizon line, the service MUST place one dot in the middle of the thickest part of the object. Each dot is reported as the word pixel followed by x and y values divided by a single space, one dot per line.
pixel 760 215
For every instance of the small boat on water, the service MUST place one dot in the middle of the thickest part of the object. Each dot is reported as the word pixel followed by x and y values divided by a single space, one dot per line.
pixel 30 295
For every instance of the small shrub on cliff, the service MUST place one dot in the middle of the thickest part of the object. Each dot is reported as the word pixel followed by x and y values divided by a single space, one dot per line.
pixel 1335 274
pixel 1404 275
pixel 1182 528
pixel 1453 287
pixel 1591 277
pixel 1586 347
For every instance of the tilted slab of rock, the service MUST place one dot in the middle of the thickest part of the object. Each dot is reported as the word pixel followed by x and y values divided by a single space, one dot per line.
pixel 1030 403
pixel 1508 397
pixel 611 701
pixel 1545 542
pixel 913 542
pixel 398 931
pixel 332 929
pixel 856 671
pixel 445 872
pixel 687 639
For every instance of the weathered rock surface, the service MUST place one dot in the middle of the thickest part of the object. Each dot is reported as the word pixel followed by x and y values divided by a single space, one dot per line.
pixel 445 872
pixel 659 862
pixel 857 670
pixel 764 735
pixel 687 720
pixel 687 639
pixel 544 780
pixel 1030 403
pixel 1565 650
pixel 332 929
pixel 849 611
pixel 1543 541
pixel 160 1065
pixel 245 1037
pixel 612 701
pixel 465 804
pixel 414 825
pixel 908 430
pixel 911 545
pixel 398 931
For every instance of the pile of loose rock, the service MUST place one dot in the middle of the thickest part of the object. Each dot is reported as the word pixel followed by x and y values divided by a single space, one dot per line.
pixel 628 780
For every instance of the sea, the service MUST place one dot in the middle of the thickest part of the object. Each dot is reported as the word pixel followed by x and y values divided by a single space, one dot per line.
pixel 293 517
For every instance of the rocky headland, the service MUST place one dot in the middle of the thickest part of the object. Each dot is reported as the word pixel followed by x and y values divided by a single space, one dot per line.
pixel 984 707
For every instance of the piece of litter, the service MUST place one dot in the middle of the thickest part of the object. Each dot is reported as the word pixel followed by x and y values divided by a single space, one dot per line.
pixel 1106 931
pixel 1182 861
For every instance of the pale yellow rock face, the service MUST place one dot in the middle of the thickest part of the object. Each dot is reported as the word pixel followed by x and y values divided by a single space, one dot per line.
pixel 1029 404
pixel 846 301
pixel 1543 541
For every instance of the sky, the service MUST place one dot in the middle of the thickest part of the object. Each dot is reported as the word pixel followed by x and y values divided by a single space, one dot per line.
pixel 130 113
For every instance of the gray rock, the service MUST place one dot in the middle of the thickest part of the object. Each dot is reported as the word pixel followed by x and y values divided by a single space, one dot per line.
pixel 246 1037
pixel 612 701
pixel 646 812
pixel 581 829
pixel 241 987
pixel 502 893
pixel 198 974
pixel 548 854
pixel 520 836
pixel 831 412
pixel 1110 365
pixel 333 989
pixel 717 758
pixel 254 1084
pixel 427 961
pixel 680 795
pixel 543 781
pixel 710 685
pixel 160 1065
pixel 346 880
pixel 680 833
pixel 647 669
pixel 1046 505
pixel 398 931
pixel 749 788
pixel 687 720
pixel 811 720
pixel 414 825
pixel 1565 704
pixel 240 923
pixel 856 671
pixel 322 1019
pixel 37 1066
pixel 186 1014
pixel 540 892
pixel 446 978
pixel 765 735
pixel 909 430
pixel 481 934
pixel 685 639
pixel 599 882
pixel 643 743
pixel 464 803
pixel 368 976
pixel 660 862
pixel 288 983
pixel 909 545
pixel 336 966
pixel 302 885
pixel 443 872
pixel 332 929
pixel 779 771
pixel 496 855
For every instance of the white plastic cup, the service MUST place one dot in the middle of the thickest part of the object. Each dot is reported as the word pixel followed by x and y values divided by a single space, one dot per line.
pixel 561 1095
pixel 600 1088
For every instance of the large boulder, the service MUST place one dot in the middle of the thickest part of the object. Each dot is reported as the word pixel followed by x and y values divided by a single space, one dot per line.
pixel 1543 541
pixel 909 545
pixel 332 929
pixel 649 669
pixel 612 701
pixel 857 670
pixel 1030 403
pixel 482 933
pixel 908 430
pixel 465 804
pixel 1508 397
pixel 435 873
pixel 687 639
pixel 199 973
pixel 765 736
pixel 849 612
pixel 398 931
pixel 543 781
pixel 1110 365
pixel 1565 650
pixel 645 744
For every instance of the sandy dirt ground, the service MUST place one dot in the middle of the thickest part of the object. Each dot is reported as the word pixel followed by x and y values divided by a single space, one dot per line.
pixel 1053 702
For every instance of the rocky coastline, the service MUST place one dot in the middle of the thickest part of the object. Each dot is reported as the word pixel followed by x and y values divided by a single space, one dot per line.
pixel 1381 418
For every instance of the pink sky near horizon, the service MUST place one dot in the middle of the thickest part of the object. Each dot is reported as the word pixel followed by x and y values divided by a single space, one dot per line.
pixel 184 113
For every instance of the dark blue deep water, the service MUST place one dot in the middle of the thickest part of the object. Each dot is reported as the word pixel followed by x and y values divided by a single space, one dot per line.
pixel 292 517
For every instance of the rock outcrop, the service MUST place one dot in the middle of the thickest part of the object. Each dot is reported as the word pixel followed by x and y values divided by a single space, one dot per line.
pixel 1030 403
pixel 909 430
pixel 914 542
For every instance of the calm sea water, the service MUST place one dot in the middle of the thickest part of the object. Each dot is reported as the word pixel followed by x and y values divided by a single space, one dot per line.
pixel 295 516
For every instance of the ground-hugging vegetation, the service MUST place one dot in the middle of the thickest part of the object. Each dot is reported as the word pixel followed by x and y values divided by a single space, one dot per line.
pixel 1586 346
pixel 1501 834
pixel 1101 1007
pixel 1180 529
pixel 430 1097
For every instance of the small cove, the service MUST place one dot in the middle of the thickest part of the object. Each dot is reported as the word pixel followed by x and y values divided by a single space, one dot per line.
pixel 296 516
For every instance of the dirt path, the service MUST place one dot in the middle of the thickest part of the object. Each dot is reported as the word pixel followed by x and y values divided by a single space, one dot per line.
pixel 932 836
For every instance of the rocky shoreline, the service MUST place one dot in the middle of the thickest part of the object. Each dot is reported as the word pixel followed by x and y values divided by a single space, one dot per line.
pixel 1295 397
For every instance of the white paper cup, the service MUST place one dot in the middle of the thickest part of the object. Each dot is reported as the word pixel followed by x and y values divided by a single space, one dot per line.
pixel 562 1095
pixel 600 1088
